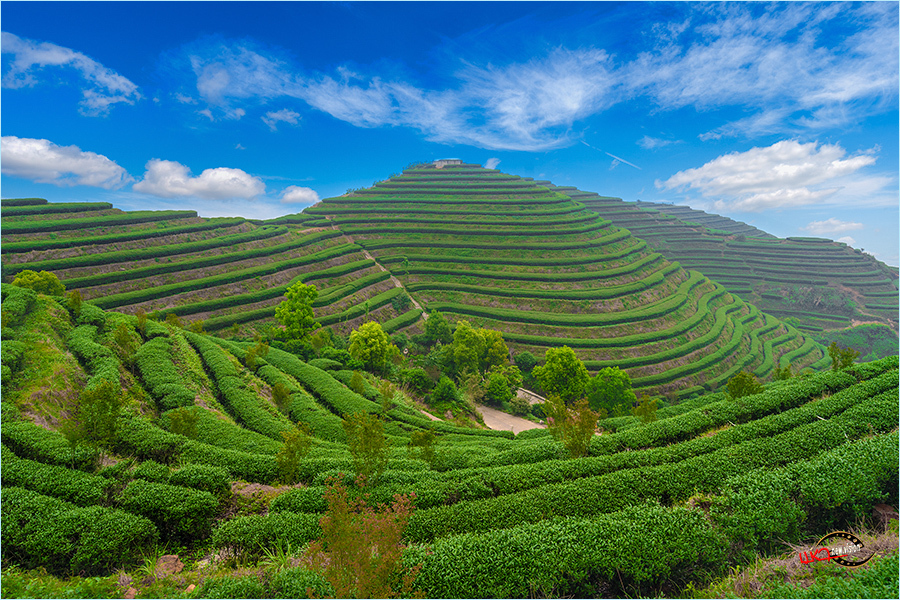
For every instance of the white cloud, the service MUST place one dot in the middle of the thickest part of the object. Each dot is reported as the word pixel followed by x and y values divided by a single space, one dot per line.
pixel 847 240
pixel 651 143
pixel 779 61
pixel 299 195
pixel 170 179
pixel 284 115
pixel 29 58
pixel 832 225
pixel 782 175
pixel 492 163
pixel 45 162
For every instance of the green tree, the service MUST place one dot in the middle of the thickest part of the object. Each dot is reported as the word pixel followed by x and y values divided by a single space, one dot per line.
pixel 780 373
pixel 127 343
pixel 281 396
pixel 296 312
pixel 75 300
pixel 562 374
pixel 444 392
pixel 140 321
pixel 423 439
pixel 841 358
pixel 183 421
pixel 574 427
pixel 497 389
pixel 290 458
pixel 743 384
pixel 43 282
pixel 437 329
pixel 477 350
pixel 646 409
pixel 610 389
pixel 98 412
pixel 367 444
pixel 526 361
pixel 371 345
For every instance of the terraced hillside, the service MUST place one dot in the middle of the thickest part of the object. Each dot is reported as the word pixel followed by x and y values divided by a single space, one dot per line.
pixel 474 243
pixel 220 271
pixel 654 509
pixel 545 270
pixel 824 285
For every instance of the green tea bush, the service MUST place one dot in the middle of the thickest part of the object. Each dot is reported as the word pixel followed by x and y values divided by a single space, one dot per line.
pixel 17 302
pixel 260 468
pixel 206 478
pixel 179 513
pixel 300 582
pixel 161 377
pixel 249 535
pixel 152 471
pixel 213 430
pixel 76 487
pixel 246 586
pixel 34 442
pixel 139 437
pixel 39 531
pixel 300 500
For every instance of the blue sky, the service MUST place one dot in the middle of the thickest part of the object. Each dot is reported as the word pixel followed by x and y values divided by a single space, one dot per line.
pixel 781 115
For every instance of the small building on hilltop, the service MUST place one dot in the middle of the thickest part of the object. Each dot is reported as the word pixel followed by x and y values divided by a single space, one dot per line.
pixel 447 162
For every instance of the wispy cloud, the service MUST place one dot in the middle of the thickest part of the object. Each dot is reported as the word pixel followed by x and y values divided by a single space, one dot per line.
pixel 45 162
pixel 169 179
pixel 784 175
pixel 29 60
pixel 789 68
pixel 492 163
pixel 285 115
pixel 652 143
pixel 832 225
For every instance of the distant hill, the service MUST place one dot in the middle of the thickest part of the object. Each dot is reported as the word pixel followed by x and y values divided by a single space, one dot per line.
pixel 537 263
pixel 821 285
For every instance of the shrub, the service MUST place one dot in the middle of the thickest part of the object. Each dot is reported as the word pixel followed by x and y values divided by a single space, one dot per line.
pixel 520 405
pixel 151 470
pixel 178 512
pixel 247 586
pixel 365 438
pixel 250 535
pixel 309 499
pixel 300 582
pixel 207 478
pixel 288 459
pixel 43 282
pixel 743 384
pixel 417 379
pixel 73 486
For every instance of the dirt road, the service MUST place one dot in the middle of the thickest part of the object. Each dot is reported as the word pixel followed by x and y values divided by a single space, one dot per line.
pixel 496 419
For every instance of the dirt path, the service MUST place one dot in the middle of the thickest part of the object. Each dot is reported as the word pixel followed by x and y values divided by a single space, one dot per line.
pixel 499 420
pixel 393 279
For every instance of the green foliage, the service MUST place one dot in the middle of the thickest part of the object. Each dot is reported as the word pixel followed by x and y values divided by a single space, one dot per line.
pixel 646 409
pixel 437 329
pixel 574 427
pixel 72 486
pixel 151 470
pixel 444 393
pixel 743 384
pixel 611 391
pixel 477 350
pixel 74 301
pixel 841 358
pixel 43 282
pixel 98 412
pixel 497 389
pixel 179 513
pixel 367 444
pixel 40 531
pixel 288 459
pixel 183 421
pixel 296 313
pixel 371 345
pixel 424 441
pixel 417 379
pixel 360 551
pixel 206 478
pixel 250 535
pixel 39 584
pixel 562 374
pixel 526 361
pixel 519 405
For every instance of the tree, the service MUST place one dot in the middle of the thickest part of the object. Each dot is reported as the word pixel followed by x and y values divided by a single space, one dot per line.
pixel 127 343
pixel 183 421
pixel 841 358
pixel 289 458
pixel 296 312
pixel 43 282
pixel 574 427
pixel 610 389
pixel 437 329
pixel 646 409
pixel 780 373
pixel 98 411
pixel 497 389
pixel 743 384
pixel 360 550
pixel 444 392
pixel 281 396
pixel 368 446
pixel 75 300
pixel 477 350
pixel 526 361
pixel 562 374
pixel 372 346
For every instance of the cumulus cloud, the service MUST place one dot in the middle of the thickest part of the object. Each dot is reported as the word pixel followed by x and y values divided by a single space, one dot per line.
pixel 785 174
pixel 847 240
pixel 169 179
pixel 285 115
pixel 28 59
pixel 832 225
pixel 492 163
pixel 295 194
pixel 45 162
